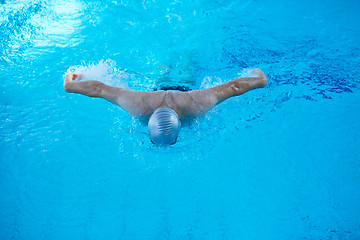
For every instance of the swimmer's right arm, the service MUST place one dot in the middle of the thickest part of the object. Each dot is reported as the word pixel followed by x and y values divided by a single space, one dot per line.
pixel 135 103
pixel 90 88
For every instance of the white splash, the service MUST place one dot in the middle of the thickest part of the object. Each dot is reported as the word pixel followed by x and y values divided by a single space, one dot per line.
pixel 208 81
pixel 248 73
pixel 104 71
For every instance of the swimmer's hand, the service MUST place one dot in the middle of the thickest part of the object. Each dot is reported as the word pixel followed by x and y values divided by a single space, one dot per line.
pixel 69 79
pixel 260 76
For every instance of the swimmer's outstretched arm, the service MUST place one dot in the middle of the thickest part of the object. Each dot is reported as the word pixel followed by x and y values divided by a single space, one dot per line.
pixel 135 103
pixel 90 88
pixel 205 99
pixel 240 86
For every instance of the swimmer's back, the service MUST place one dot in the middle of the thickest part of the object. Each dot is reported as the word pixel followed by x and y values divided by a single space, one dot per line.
pixel 189 104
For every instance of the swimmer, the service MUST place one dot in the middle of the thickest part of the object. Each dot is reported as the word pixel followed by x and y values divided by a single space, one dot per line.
pixel 166 109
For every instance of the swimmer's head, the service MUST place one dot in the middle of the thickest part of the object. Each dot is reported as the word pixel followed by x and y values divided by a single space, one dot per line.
pixel 164 126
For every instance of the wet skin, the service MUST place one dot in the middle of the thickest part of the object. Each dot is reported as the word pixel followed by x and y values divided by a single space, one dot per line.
pixel 186 104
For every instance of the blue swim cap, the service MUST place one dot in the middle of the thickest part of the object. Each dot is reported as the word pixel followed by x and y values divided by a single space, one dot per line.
pixel 164 126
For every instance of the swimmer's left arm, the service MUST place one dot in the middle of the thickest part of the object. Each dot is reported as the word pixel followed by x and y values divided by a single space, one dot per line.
pixel 240 85
pixel 203 100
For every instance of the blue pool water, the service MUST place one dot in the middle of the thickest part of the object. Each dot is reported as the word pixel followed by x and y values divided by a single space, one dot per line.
pixel 280 162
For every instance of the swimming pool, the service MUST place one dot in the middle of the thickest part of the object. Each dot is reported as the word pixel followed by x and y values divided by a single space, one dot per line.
pixel 276 163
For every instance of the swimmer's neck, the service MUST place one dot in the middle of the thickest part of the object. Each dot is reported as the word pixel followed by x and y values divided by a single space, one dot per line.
pixel 185 120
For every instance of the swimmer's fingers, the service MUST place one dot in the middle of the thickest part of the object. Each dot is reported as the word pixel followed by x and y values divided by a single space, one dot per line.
pixel 72 77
